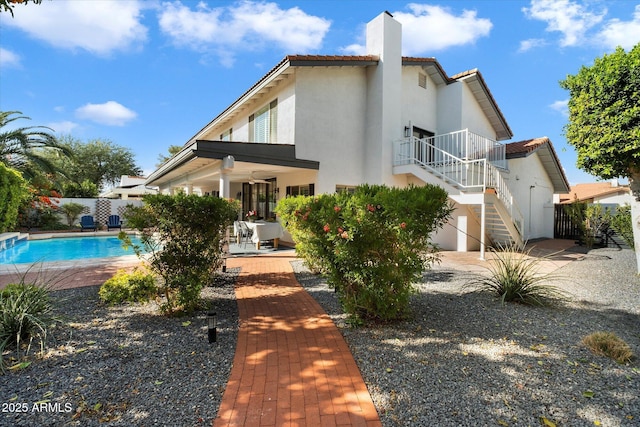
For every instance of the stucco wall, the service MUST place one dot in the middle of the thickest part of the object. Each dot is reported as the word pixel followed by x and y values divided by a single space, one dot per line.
pixel 330 122
pixel 419 105
pixel 533 192
pixel 473 118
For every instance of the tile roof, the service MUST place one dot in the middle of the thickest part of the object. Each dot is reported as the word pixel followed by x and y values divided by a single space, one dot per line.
pixel 588 191
pixel 547 155
pixel 522 148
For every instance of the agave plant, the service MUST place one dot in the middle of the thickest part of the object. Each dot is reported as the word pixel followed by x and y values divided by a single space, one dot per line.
pixel 514 276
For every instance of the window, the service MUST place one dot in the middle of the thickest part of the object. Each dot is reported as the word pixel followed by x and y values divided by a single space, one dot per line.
pixel 301 190
pixel 345 189
pixel 226 135
pixel 259 197
pixel 422 80
pixel 263 124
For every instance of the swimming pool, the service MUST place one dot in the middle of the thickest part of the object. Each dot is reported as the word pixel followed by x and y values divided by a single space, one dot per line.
pixel 65 249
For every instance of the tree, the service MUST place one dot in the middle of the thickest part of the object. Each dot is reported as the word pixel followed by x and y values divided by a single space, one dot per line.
pixel 173 150
pixel 29 150
pixel 8 5
pixel 604 121
pixel 99 161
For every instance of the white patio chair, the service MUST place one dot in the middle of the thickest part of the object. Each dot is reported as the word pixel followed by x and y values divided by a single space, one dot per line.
pixel 245 233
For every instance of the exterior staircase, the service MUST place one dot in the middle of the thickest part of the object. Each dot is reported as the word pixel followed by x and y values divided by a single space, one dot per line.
pixel 468 167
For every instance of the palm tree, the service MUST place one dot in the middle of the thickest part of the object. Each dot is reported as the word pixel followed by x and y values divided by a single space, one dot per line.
pixel 28 149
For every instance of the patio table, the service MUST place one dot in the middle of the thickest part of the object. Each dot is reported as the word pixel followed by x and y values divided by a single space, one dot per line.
pixel 265 231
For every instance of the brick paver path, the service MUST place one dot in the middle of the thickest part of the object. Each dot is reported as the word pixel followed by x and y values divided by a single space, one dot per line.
pixel 291 367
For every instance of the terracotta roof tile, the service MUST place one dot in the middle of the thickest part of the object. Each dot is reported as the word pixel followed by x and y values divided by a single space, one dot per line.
pixel 588 191
pixel 525 147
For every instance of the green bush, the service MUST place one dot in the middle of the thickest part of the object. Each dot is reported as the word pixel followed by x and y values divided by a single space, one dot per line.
pixel 13 192
pixel 622 225
pixel 25 314
pixel 514 277
pixel 136 286
pixel 181 235
pixel 372 244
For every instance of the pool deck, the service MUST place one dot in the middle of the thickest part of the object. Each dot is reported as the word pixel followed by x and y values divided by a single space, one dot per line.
pixel 555 253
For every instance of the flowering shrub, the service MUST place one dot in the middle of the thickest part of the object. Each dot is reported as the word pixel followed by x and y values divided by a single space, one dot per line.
pixel 372 244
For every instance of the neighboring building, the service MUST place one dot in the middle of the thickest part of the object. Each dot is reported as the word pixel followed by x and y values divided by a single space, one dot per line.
pixel 131 187
pixel 608 193
pixel 320 124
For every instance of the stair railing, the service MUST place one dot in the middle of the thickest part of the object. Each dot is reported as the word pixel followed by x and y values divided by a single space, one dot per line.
pixel 495 181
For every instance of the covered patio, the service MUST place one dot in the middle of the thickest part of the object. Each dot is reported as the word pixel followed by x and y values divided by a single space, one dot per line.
pixel 256 174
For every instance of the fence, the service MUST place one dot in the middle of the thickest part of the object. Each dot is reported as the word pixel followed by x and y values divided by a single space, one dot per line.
pixel 100 209
pixel 565 228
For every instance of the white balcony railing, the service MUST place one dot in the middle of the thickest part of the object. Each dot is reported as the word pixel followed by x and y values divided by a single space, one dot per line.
pixel 469 172
pixel 467 145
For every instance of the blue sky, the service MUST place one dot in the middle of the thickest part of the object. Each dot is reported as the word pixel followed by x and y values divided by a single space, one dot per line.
pixel 149 74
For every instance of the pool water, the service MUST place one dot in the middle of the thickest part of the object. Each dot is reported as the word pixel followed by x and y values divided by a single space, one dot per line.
pixel 65 249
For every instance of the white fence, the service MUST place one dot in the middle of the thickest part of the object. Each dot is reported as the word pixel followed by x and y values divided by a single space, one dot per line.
pixel 100 209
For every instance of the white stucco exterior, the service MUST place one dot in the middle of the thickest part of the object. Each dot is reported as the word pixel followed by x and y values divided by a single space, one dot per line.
pixel 342 116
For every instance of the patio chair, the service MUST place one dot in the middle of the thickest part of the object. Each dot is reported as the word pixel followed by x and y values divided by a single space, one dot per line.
pixel 114 222
pixel 87 223
pixel 245 233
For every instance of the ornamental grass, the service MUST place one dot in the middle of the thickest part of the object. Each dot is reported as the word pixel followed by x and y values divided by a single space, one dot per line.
pixel 514 276
pixel 609 345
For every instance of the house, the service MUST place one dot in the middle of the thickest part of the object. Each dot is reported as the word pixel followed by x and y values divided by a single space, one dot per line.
pixel 316 124
pixel 131 187
pixel 608 193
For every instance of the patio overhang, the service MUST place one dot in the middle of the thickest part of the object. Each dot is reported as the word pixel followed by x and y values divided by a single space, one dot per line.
pixel 202 161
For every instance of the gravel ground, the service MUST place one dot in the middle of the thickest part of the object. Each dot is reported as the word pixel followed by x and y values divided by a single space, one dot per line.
pixel 125 365
pixel 467 360
pixel 462 360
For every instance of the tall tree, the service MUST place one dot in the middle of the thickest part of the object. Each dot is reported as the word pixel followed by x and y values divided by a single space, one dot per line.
pixel 29 150
pixel 173 150
pixel 604 121
pixel 99 161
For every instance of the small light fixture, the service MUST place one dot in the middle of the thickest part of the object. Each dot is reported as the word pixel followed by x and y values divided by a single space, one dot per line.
pixel 212 323
pixel 407 131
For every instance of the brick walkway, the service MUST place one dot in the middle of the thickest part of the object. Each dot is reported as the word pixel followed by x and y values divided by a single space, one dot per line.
pixel 291 367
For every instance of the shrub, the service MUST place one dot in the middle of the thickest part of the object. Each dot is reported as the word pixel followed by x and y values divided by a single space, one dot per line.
pixel 71 212
pixel 372 244
pixel 514 277
pixel 608 344
pixel 181 235
pixel 13 192
pixel 136 286
pixel 25 314
pixel 622 225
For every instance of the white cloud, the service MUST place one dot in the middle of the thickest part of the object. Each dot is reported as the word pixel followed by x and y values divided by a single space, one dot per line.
pixel 63 127
pixel 561 106
pixel 621 33
pixel 246 25
pixel 529 44
pixel 97 26
pixel 9 59
pixel 570 18
pixel 110 113
pixel 354 49
pixel 430 28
